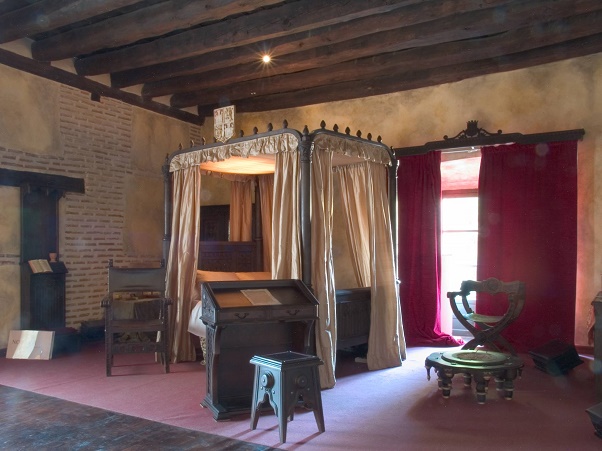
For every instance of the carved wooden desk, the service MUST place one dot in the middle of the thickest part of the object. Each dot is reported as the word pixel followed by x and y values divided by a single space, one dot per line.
pixel 240 327
pixel 478 365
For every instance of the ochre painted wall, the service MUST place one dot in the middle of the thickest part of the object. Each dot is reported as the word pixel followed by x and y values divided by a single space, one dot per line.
pixel 117 150
pixel 50 128
pixel 558 96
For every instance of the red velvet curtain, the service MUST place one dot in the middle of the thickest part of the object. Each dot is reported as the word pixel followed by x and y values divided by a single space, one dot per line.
pixel 528 232
pixel 419 203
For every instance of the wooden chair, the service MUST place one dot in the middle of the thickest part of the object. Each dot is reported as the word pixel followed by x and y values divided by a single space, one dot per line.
pixel 147 329
pixel 487 329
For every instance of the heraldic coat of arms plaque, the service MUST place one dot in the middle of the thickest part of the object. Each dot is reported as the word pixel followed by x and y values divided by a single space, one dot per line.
pixel 223 119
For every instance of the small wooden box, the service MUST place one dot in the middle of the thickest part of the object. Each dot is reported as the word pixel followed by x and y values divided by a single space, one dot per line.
pixel 555 358
pixel 595 415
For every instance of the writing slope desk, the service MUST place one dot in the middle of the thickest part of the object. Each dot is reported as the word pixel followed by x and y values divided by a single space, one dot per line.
pixel 248 318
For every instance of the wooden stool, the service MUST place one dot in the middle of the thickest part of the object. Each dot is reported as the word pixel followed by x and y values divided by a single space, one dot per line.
pixel 284 379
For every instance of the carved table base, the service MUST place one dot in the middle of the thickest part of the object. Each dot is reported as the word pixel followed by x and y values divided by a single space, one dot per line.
pixel 481 366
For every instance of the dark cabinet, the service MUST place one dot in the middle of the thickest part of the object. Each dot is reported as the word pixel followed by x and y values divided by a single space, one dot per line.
pixel 248 318
pixel 42 294
pixel 215 223
pixel 43 298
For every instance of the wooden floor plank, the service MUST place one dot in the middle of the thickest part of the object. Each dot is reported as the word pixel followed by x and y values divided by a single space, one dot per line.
pixel 29 420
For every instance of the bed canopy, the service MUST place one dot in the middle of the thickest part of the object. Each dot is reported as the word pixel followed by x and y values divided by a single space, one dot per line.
pixel 303 168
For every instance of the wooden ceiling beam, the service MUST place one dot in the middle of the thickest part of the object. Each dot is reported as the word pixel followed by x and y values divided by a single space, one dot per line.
pixel 8 6
pixel 48 15
pixel 283 20
pixel 415 79
pixel 326 42
pixel 337 50
pixel 155 20
pixel 404 28
pixel 458 27
pixel 441 55
pixel 67 78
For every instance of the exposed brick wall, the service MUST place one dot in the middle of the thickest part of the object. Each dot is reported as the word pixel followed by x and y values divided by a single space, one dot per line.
pixel 96 146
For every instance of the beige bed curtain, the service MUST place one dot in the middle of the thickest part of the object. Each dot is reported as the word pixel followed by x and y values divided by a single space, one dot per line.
pixel 286 224
pixel 322 265
pixel 354 203
pixel 183 255
pixel 186 194
pixel 368 215
pixel 266 193
pixel 386 346
pixel 241 207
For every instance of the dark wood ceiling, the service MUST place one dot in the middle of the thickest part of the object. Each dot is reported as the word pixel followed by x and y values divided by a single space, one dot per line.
pixel 186 57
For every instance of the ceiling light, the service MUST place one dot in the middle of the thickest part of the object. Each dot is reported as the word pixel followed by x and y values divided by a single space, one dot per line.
pixel 266 58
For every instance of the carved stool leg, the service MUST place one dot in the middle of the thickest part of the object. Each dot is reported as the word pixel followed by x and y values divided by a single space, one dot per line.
pixel 467 380
pixel 258 398
pixel 509 377
pixel 282 423
pixel 508 389
pixel 481 383
pixel 313 399
pixel 499 383
pixel 445 377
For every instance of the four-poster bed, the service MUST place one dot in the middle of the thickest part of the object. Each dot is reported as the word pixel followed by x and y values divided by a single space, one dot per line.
pixel 242 260
pixel 299 171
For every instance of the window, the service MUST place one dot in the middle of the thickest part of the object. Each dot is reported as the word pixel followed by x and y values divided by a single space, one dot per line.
pixel 459 233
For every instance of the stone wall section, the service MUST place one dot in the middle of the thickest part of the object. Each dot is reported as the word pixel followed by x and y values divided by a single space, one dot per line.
pixel 96 145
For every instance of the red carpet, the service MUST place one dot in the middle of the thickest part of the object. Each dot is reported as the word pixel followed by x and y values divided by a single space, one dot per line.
pixel 386 410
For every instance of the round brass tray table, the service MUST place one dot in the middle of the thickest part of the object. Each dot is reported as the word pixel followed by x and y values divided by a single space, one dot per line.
pixel 478 365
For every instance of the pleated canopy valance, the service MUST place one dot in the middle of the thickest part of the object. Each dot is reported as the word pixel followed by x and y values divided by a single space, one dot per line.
pixel 259 152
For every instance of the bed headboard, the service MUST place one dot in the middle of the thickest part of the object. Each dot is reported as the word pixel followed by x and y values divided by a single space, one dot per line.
pixel 229 256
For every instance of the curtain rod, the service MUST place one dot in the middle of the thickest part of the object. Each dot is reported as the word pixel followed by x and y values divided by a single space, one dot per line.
pixel 474 136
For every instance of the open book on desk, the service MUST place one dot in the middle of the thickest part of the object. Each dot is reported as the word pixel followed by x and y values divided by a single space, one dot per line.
pixel 260 296
pixel 39 266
